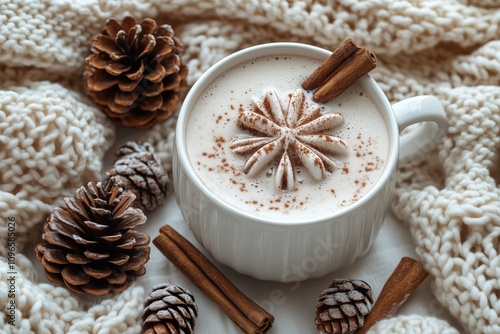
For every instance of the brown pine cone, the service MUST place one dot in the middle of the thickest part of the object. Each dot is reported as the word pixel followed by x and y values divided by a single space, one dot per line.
pixel 343 306
pixel 134 72
pixel 91 245
pixel 169 309
pixel 139 171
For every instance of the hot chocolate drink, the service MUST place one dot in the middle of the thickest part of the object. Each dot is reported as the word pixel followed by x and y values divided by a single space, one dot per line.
pixel 257 140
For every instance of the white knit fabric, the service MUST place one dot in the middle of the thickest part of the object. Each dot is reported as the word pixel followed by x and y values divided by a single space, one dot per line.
pixel 51 142
pixel 52 139
pixel 413 324
pixel 43 308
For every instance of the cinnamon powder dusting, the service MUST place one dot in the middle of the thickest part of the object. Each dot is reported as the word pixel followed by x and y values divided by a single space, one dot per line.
pixel 371 162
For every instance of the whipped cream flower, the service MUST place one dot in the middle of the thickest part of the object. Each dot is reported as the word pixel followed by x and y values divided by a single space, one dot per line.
pixel 294 135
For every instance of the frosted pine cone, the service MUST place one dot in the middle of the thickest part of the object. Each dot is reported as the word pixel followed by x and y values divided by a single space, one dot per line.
pixel 91 245
pixel 134 72
pixel 170 309
pixel 342 307
pixel 139 171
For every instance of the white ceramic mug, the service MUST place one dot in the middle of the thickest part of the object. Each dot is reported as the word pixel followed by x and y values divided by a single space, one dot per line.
pixel 278 251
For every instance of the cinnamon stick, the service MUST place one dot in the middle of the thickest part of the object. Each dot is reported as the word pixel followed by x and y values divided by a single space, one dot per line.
pixel 319 76
pixel 248 315
pixel 405 279
pixel 342 68
pixel 354 67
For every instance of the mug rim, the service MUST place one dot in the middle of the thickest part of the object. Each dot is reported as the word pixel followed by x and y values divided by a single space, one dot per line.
pixel 269 49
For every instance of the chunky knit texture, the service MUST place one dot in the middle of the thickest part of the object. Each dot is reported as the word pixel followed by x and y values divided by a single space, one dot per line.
pixel 414 324
pixel 52 139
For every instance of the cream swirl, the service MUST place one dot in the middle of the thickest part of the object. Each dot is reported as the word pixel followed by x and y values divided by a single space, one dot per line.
pixel 297 135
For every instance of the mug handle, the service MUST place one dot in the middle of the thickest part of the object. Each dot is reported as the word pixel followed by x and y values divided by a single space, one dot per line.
pixel 427 113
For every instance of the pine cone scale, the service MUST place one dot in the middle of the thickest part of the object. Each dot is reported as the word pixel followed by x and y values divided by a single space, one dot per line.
pixel 112 238
pixel 138 117
pixel 119 57
pixel 54 277
pixel 122 210
pixel 93 225
pixel 59 240
pixel 126 99
pixel 146 45
pixel 152 104
pixel 130 221
pixel 95 287
pixel 55 256
pixel 100 81
pixel 105 44
pixel 178 317
pixel 95 272
pixel 135 263
pixel 137 72
pixel 152 318
pixel 119 260
pixel 159 329
pixel 132 35
pixel 64 229
pixel 121 42
pixel 151 90
pixel 356 295
pixel 116 69
pixel 348 310
pixel 171 65
pixel 125 244
pixel 139 272
pixel 148 26
pixel 77 258
pixel 95 256
pixel 75 275
pixel 139 171
pixel 82 241
pixel 52 268
pixel 117 277
pixel 332 313
pixel 155 73
pixel 158 74
pixel 97 61
pixel 125 85
pixel 164 47
pixel 363 308
pixel 113 27
pixel 171 81
pixel 167 107
pixel 75 209
pixel 116 109
pixel 141 239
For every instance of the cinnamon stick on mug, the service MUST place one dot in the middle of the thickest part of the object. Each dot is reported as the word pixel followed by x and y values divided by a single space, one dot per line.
pixel 321 74
pixel 248 315
pixel 342 68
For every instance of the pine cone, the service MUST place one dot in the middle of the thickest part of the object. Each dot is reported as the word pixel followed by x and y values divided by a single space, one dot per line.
pixel 169 309
pixel 343 306
pixel 134 72
pixel 91 246
pixel 139 171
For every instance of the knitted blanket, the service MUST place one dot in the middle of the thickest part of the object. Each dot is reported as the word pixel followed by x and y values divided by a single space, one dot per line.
pixel 53 139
